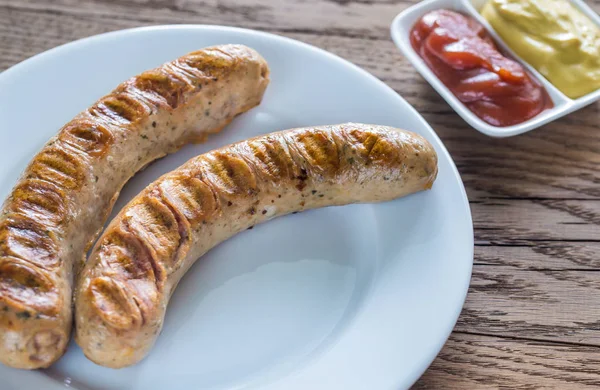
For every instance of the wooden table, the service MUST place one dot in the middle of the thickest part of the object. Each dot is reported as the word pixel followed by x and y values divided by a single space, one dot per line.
pixel 532 317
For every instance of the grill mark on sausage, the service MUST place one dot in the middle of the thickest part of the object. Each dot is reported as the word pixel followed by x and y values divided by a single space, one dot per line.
pixel 183 228
pixel 119 108
pixel 28 240
pixel 363 141
pixel 91 138
pixel 318 149
pixel 23 287
pixel 271 158
pixel 190 76
pixel 113 303
pixel 39 200
pixel 192 197
pixel 56 165
pixel 148 248
pixel 164 86
pixel 143 258
pixel 120 256
pixel 230 174
pixel 211 63
pixel 384 152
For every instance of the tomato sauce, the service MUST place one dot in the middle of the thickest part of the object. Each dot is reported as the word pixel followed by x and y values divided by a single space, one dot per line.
pixel 465 58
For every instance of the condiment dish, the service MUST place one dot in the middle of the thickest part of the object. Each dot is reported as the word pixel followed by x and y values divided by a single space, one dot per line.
pixel 400 31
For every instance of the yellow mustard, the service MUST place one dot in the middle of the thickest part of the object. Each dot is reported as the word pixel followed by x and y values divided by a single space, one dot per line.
pixel 554 37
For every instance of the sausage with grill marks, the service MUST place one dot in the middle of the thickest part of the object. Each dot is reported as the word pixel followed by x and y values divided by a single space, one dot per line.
pixel 66 193
pixel 136 265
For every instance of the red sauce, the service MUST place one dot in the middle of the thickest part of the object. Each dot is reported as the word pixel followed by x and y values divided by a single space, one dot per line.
pixel 465 58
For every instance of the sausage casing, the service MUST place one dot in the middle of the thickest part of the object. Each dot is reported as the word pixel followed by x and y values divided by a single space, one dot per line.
pixel 135 266
pixel 64 196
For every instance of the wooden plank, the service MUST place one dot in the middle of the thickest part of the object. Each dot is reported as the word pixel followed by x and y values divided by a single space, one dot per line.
pixel 541 255
pixel 550 305
pixel 506 220
pixel 561 160
pixel 349 18
pixel 481 362
pixel 537 290
pixel 357 18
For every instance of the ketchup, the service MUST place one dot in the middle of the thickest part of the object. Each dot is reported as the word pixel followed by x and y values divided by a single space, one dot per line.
pixel 465 58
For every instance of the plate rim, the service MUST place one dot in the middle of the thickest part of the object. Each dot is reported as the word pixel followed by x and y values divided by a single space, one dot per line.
pixel 412 377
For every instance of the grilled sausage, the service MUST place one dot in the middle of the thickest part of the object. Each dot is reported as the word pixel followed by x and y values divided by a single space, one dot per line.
pixel 64 196
pixel 135 266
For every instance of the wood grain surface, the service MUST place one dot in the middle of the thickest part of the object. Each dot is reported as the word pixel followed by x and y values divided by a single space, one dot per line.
pixel 532 316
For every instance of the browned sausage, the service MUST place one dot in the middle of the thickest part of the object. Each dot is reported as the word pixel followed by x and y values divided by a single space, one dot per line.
pixel 64 196
pixel 135 266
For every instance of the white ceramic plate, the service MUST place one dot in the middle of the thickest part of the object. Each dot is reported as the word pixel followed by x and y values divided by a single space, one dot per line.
pixel 355 297
pixel 563 105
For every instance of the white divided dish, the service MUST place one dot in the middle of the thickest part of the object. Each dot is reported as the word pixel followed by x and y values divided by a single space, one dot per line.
pixel 354 297
pixel 563 105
